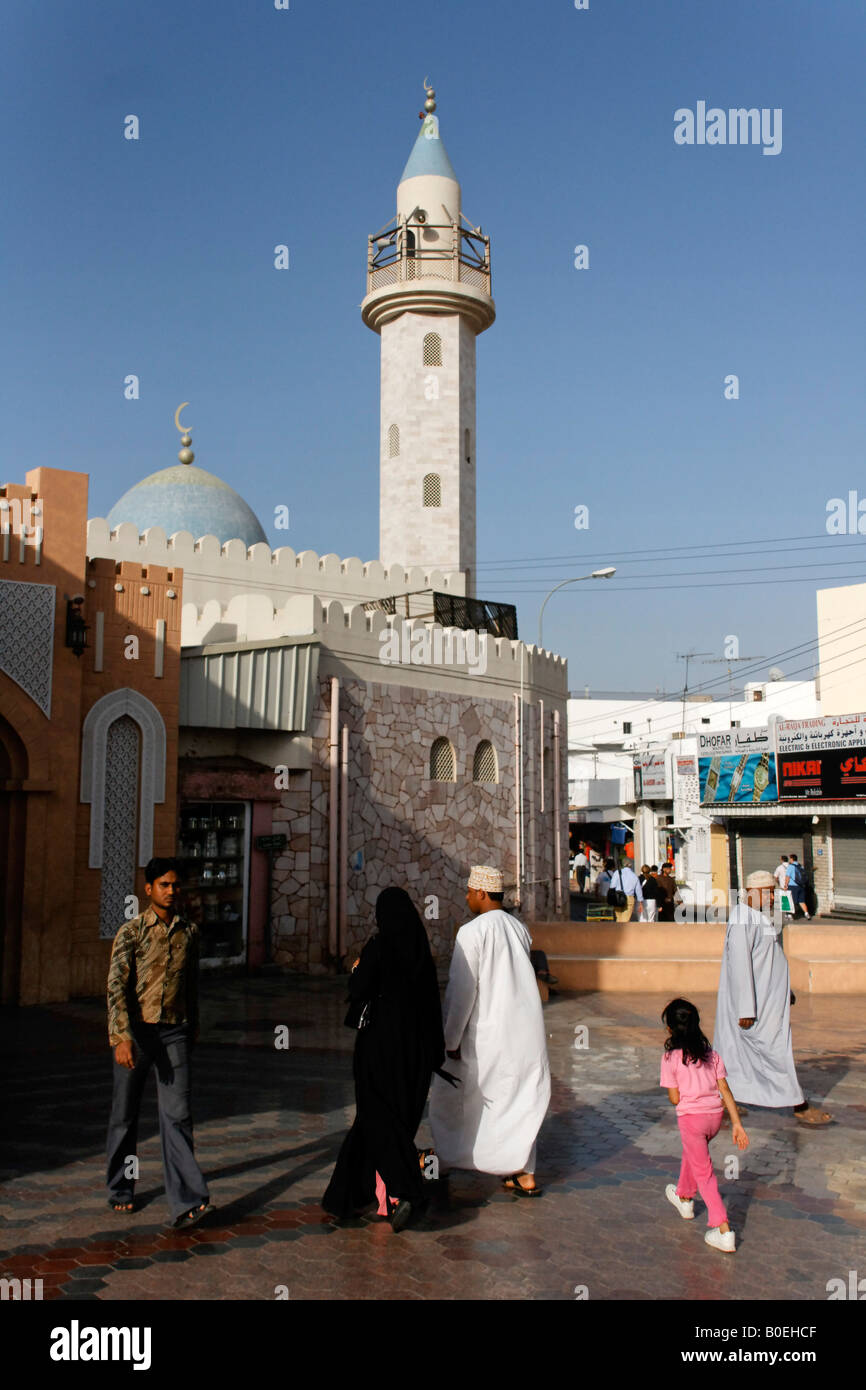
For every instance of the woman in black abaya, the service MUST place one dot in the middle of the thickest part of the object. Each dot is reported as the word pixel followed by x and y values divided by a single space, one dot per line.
pixel 396 1052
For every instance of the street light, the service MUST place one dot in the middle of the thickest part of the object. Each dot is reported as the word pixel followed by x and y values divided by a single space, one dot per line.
pixel 606 572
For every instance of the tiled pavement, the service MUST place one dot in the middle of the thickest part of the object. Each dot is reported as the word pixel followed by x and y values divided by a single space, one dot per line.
pixel 269 1122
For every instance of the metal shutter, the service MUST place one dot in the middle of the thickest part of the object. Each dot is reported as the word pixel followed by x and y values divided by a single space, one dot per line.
pixel 765 851
pixel 849 862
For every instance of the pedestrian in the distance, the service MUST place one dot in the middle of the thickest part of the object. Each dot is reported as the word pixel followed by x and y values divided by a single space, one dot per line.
pixel 625 881
pixel 695 1079
pixel 651 894
pixel 581 868
pixel 153 1021
pixel 668 894
pixel 797 886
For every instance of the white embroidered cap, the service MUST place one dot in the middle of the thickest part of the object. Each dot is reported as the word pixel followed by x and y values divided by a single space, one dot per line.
pixel 487 879
pixel 761 878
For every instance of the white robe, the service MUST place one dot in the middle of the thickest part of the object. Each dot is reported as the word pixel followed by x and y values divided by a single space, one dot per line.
pixel 493 1014
pixel 755 983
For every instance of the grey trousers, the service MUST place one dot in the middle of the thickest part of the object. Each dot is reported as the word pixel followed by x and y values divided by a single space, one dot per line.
pixel 166 1047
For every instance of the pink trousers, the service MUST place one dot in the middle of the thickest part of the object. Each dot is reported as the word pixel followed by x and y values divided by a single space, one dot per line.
pixel 696 1171
pixel 382 1197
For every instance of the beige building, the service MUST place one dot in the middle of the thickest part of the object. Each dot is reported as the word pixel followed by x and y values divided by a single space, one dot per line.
pixel 842 649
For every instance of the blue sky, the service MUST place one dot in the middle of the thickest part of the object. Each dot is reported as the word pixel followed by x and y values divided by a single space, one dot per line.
pixel 602 387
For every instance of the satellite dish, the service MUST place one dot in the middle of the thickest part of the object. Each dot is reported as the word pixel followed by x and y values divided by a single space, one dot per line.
pixel 776 673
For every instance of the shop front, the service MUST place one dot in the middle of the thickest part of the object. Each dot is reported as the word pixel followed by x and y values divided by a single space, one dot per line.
pixel 214 853
pixel 225 803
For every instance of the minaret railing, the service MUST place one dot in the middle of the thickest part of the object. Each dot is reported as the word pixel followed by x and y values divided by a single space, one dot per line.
pixel 399 255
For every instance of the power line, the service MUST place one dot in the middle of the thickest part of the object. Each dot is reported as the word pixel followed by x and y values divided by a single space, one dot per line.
pixel 799 649
pixel 601 757
pixel 744 569
pixel 671 550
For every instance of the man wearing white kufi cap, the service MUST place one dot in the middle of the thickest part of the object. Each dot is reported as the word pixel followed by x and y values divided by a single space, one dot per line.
pixel 753 1011
pixel 494 1033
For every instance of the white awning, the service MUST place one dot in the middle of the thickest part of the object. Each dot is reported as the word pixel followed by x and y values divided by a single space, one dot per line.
pixel 790 808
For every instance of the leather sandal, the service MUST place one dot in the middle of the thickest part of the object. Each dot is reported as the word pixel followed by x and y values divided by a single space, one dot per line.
pixel 513 1184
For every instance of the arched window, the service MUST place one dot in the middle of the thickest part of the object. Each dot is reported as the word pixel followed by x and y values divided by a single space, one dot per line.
pixel 484 764
pixel 443 765
pixel 432 490
pixel 432 350
pixel 394 442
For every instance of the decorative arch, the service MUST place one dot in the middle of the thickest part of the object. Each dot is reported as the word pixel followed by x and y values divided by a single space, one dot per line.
pixel 94 746
pixel 443 763
pixel 485 765
pixel 14 763
pixel 28 726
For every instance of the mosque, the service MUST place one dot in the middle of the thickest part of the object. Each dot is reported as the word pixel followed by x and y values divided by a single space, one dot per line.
pixel 171 685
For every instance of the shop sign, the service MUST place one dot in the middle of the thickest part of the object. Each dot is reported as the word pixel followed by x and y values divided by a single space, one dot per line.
pixel 271 842
pixel 822 759
pixel 653 777
pixel 736 766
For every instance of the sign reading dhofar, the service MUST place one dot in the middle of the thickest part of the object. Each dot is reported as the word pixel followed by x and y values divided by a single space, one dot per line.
pixel 736 766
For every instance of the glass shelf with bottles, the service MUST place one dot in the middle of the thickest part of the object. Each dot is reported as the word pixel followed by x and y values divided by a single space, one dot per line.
pixel 212 850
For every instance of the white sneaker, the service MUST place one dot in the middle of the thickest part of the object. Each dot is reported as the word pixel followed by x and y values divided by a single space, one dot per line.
pixel 718 1241
pixel 686 1208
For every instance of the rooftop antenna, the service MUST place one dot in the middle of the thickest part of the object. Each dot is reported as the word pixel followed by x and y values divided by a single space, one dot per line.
pixel 729 662
pixel 687 657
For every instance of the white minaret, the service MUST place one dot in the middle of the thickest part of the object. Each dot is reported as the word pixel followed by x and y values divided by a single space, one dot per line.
pixel 428 296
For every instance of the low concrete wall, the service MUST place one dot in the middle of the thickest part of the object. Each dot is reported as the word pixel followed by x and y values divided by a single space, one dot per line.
pixel 669 959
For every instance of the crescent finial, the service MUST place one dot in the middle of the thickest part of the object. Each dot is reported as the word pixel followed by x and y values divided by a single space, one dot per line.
pixel 183 429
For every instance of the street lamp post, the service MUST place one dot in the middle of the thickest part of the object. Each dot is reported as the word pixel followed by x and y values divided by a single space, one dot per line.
pixel 606 573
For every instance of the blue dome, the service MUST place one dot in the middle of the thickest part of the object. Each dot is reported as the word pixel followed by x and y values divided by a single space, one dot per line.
pixel 186 498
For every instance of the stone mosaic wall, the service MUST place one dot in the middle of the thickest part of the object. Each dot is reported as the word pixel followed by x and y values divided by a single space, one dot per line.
pixel 403 828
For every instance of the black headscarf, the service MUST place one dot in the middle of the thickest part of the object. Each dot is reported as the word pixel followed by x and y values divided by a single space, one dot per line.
pixel 405 947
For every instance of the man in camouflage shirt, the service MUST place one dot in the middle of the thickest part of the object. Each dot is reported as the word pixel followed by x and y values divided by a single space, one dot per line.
pixel 153 1021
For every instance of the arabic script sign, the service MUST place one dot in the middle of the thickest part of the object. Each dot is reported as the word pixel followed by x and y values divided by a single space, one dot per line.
pixel 822 759
pixel 805 736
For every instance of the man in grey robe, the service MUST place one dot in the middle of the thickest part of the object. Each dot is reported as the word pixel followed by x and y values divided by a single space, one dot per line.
pixel 753 1011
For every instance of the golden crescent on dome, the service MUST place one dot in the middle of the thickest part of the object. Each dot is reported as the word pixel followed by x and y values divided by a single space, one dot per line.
pixel 427 87
pixel 184 429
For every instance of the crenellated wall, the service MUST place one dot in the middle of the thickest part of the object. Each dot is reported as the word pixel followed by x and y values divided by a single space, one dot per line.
pixel 212 570
pixel 425 655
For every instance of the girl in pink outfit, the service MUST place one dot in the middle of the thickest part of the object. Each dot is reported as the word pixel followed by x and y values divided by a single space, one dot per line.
pixel 695 1079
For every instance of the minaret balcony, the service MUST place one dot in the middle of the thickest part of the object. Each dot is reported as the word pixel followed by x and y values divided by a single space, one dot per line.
pixel 451 275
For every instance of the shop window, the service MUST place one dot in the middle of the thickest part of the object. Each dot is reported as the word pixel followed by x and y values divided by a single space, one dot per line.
pixel 214 850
